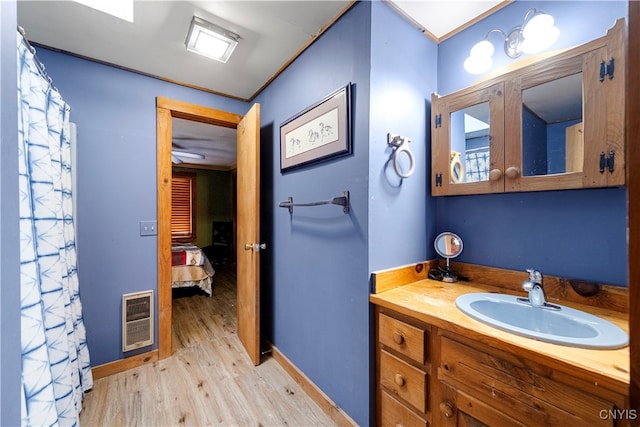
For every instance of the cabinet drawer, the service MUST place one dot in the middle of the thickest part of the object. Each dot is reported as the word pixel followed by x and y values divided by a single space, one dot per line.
pixel 402 337
pixel 404 380
pixel 396 414
pixel 519 387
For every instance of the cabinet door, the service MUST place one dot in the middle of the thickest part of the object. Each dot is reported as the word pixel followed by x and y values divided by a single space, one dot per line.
pixel 544 105
pixel 468 142
pixel 563 115
pixel 458 409
pixel 556 123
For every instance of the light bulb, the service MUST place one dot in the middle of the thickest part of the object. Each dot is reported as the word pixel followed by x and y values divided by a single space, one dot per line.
pixel 538 25
pixel 541 41
pixel 477 64
pixel 482 48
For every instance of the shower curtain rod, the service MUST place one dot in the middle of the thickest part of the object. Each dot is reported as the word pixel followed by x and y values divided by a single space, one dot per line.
pixel 39 64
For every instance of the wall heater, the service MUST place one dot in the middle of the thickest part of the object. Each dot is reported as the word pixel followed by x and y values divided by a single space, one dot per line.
pixel 137 320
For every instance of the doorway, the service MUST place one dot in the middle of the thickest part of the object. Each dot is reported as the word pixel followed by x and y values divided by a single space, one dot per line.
pixel 247 261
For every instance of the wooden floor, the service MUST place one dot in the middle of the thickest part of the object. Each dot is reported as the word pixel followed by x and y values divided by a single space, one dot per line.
pixel 209 380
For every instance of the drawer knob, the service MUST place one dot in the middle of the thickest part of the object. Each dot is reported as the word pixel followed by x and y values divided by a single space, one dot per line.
pixel 447 409
pixel 399 379
pixel 398 338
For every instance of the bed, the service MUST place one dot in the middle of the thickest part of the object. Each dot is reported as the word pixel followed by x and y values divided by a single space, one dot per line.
pixel 190 267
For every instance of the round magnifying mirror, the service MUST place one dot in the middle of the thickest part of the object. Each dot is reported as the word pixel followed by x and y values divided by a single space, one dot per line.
pixel 448 245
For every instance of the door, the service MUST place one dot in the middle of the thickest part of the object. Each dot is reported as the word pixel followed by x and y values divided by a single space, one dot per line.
pixel 248 212
pixel 248 247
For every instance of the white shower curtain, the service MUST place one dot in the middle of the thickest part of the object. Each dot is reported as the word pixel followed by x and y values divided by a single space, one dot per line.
pixel 55 358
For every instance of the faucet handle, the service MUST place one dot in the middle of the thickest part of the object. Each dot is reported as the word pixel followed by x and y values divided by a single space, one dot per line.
pixel 534 276
pixel 527 285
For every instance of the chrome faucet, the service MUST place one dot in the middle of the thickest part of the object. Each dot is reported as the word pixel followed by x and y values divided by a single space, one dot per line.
pixel 534 287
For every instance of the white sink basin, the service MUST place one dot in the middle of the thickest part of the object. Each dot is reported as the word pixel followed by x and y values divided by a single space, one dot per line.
pixel 566 326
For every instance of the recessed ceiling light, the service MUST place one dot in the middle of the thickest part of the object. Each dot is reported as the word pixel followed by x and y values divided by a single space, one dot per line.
pixel 122 9
pixel 210 40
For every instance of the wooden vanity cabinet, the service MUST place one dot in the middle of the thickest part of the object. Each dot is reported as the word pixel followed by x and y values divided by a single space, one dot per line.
pixel 404 371
pixel 431 376
pixel 556 123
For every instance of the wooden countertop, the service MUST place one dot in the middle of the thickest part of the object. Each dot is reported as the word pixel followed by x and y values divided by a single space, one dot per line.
pixel 433 302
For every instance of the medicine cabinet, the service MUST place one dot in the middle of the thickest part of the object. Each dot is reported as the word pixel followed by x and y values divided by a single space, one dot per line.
pixel 554 123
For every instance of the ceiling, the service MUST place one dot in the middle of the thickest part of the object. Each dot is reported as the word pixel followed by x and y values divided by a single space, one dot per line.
pixel 272 33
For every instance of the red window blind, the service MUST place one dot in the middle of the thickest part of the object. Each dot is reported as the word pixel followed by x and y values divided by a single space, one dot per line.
pixel 183 206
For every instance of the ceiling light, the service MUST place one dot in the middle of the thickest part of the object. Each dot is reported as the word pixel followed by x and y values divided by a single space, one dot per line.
pixel 187 154
pixel 122 9
pixel 210 40
pixel 536 34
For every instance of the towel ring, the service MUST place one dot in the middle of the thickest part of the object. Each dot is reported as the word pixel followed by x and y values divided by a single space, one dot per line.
pixel 402 146
pixel 457 170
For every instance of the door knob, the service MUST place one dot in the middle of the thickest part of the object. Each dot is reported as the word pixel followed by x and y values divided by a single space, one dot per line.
pixel 256 247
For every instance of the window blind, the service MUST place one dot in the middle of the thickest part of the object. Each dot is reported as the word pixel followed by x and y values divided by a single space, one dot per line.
pixel 182 205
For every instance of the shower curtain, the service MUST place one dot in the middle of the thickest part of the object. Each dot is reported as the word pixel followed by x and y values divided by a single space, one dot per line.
pixel 55 358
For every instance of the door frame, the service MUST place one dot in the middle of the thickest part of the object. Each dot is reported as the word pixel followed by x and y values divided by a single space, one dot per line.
pixel 166 110
pixel 633 204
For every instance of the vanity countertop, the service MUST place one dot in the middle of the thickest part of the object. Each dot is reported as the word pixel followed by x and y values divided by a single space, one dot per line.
pixel 433 302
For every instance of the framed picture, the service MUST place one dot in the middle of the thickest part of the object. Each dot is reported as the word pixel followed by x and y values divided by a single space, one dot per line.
pixel 319 133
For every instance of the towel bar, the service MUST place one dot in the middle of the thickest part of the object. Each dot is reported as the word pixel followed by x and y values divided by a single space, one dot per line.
pixel 340 201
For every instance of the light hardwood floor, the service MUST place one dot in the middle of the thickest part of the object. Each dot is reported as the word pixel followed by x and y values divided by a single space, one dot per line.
pixel 209 380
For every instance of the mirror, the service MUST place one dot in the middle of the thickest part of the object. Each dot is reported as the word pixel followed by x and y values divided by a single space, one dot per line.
pixel 448 245
pixel 470 158
pixel 552 133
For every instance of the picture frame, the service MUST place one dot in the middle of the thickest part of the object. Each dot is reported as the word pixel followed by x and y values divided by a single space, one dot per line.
pixel 319 133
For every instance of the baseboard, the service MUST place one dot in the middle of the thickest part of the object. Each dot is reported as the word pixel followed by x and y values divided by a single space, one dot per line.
pixel 122 365
pixel 328 406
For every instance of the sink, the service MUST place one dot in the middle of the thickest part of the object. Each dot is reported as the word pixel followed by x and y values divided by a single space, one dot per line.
pixel 566 326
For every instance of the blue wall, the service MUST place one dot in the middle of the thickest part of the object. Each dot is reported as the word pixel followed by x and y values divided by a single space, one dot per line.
pixel 572 233
pixel 10 363
pixel 317 282
pixel 316 271
pixel 115 112
pixel 403 76
pixel 579 22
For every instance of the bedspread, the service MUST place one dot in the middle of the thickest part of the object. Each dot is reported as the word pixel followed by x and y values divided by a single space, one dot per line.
pixel 191 267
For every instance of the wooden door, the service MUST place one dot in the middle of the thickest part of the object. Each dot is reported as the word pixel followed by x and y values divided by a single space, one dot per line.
pixel 248 246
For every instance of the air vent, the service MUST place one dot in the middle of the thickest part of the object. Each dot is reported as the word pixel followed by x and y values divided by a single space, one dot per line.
pixel 137 320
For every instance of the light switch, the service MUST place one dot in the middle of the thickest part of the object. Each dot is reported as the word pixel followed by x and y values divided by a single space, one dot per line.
pixel 148 228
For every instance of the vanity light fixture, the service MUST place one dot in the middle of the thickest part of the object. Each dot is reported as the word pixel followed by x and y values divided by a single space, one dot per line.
pixel 210 40
pixel 536 34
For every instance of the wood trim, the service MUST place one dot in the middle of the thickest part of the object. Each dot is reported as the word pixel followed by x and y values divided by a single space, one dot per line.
pixel 476 20
pixel 199 113
pixel 633 191
pixel 383 280
pixel 451 33
pixel 303 48
pixel 111 368
pixel 557 289
pixel 328 406
pixel 163 142
pixel 166 109
pixel 203 89
pixel 131 70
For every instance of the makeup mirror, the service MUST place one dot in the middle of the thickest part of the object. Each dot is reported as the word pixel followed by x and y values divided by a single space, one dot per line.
pixel 448 245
